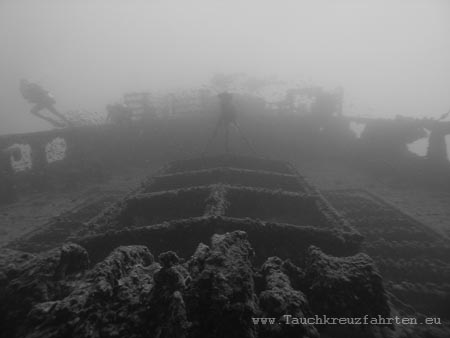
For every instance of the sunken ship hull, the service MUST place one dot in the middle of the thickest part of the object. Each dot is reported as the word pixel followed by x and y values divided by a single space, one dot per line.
pixel 208 247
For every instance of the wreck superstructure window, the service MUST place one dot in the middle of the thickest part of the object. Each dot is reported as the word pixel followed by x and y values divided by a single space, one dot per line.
pixel 55 150
pixel 23 160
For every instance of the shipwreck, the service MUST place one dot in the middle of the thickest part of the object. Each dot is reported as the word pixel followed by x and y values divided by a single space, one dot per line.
pixel 204 248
